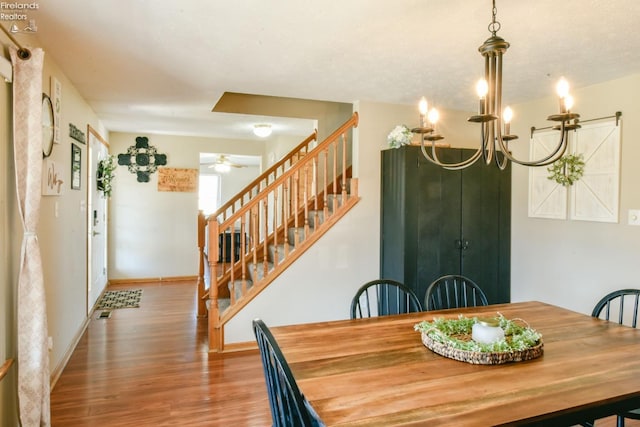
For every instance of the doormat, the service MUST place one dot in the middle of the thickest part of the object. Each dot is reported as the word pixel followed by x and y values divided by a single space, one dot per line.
pixel 120 299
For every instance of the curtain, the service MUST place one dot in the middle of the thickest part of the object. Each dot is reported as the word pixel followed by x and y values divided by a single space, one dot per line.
pixel 33 356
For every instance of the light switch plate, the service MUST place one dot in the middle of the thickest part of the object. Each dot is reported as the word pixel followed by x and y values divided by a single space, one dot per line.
pixel 634 217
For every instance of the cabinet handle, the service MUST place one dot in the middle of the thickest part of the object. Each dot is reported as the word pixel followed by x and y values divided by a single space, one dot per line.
pixel 458 244
pixel 465 245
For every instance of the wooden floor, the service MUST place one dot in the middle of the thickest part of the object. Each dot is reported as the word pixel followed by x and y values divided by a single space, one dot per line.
pixel 149 366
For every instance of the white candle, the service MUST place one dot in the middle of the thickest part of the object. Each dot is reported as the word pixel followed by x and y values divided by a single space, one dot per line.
pixel 487 331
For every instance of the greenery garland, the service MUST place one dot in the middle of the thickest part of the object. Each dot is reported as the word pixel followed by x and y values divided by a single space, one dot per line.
pixel 452 333
pixel 105 175
pixel 567 169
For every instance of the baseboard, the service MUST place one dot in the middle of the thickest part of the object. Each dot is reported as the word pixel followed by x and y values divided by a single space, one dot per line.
pixel 240 346
pixel 57 371
pixel 153 280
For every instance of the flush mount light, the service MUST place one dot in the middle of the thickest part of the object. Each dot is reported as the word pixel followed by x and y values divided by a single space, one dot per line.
pixel 262 130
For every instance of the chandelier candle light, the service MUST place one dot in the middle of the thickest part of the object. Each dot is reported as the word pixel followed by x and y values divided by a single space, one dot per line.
pixel 495 131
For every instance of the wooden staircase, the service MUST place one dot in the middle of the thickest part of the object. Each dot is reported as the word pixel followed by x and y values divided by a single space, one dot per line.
pixel 249 241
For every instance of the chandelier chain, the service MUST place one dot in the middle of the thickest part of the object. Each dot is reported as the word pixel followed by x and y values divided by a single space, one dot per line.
pixel 494 26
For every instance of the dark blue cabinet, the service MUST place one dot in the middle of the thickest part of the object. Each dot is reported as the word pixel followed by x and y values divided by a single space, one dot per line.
pixel 436 221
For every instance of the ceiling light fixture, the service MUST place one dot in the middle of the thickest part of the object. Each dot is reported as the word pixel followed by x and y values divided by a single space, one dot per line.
pixel 222 167
pixel 495 127
pixel 262 130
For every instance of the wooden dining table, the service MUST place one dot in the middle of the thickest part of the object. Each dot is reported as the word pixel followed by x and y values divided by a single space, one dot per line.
pixel 377 372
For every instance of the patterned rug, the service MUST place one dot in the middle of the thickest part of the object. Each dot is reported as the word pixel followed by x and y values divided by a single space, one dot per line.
pixel 120 299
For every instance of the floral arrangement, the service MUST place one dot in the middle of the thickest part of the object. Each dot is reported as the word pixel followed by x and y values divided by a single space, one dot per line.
pixel 105 175
pixel 455 333
pixel 399 136
pixel 567 169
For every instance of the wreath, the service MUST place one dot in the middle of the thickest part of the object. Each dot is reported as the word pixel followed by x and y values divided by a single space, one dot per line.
pixel 105 175
pixel 456 334
pixel 567 169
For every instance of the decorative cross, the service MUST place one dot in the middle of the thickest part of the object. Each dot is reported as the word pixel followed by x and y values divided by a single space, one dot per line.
pixel 142 159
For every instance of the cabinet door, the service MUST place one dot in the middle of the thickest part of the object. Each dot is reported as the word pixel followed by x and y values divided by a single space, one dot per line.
pixel 397 214
pixel 439 218
pixel 485 229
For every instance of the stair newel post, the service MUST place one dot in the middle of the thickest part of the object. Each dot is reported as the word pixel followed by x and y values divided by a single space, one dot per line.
pixel 216 334
pixel 344 168
pixel 265 235
pixel 202 229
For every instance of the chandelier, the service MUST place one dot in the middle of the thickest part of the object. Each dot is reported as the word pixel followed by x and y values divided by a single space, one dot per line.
pixel 495 123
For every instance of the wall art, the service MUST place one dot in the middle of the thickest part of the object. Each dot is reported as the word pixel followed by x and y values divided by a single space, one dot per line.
pixel 76 166
pixel 51 178
pixel 178 179
pixel 77 134
pixel 142 159
pixel 56 91
pixel 593 197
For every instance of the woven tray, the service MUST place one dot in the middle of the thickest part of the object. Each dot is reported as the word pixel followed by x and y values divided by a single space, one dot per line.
pixel 482 358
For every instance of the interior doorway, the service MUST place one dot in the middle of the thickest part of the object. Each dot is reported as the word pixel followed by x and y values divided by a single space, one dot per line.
pixel 98 149
pixel 224 175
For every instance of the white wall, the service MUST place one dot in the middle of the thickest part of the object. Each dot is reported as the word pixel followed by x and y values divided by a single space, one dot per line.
pixel 62 231
pixel 574 263
pixel 153 234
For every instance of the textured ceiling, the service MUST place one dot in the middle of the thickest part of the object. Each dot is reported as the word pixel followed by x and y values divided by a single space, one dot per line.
pixel 160 65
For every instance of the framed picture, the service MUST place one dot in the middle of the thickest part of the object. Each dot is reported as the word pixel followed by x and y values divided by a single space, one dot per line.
pixel 76 166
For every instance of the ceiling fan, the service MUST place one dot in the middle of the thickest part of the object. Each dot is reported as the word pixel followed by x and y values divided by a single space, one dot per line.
pixel 224 165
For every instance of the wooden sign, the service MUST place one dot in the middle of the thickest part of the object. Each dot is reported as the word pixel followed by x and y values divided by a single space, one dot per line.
pixel 77 134
pixel 178 179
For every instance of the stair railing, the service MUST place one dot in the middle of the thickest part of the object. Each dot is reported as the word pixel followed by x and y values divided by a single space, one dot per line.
pixel 4 369
pixel 265 178
pixel 236 202
pixel 253 245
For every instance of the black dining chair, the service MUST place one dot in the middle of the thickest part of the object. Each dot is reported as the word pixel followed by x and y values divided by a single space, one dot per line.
pixel 382 297
pixel 620 306
pixel 453 291
pixel 289 407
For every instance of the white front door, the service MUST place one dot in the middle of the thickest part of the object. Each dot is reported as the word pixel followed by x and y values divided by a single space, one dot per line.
pixel 96 222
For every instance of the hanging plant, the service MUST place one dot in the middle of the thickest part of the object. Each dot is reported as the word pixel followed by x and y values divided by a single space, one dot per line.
pixel 567 169
pixel 105 175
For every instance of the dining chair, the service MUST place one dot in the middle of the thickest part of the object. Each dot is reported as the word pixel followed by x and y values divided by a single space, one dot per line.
pixel 289 407
pixel 620 306
pixel 453 291
pixel 382 297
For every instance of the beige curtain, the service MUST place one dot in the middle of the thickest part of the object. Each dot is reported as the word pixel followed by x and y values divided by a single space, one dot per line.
pixel 33 357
